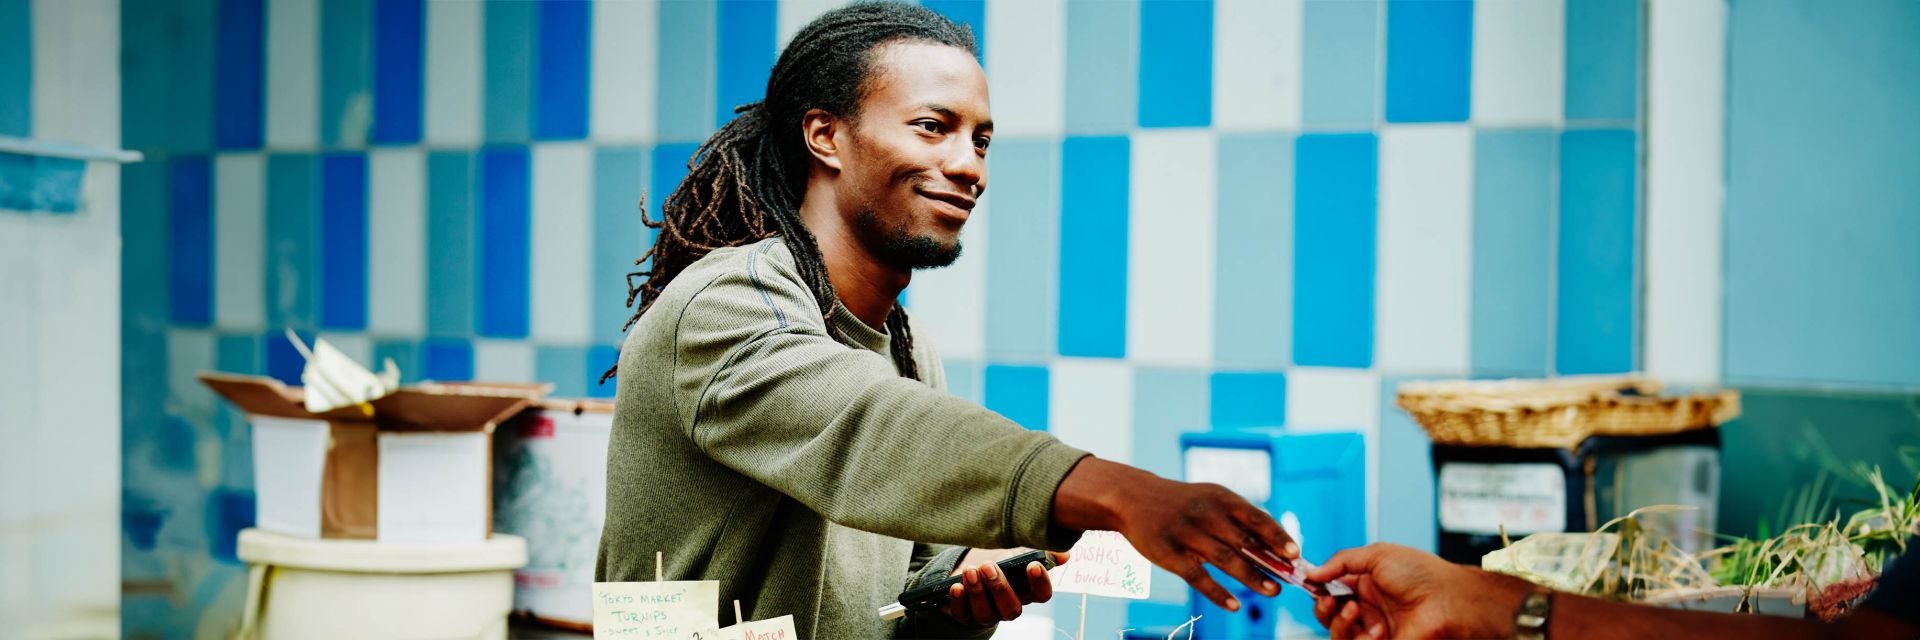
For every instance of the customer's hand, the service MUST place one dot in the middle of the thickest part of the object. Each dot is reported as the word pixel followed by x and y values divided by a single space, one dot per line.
pixel 1179 526
pixel 1408 593
pixel 984 595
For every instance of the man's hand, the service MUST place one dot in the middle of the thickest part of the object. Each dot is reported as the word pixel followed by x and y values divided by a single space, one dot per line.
pixel 1179 526
pixel 984 596
pixel 1408 593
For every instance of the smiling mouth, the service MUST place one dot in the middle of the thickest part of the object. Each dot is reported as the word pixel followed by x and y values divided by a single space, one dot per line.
pixel 963 203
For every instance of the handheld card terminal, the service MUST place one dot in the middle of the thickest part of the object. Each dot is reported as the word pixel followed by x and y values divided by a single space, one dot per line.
pixel 935 595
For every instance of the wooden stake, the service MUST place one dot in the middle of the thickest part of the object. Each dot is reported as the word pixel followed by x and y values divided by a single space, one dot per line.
pixel 659 570
pixel 1083 618
pixel 736 613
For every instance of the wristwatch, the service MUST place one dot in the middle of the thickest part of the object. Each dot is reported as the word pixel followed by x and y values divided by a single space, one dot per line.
pixel 1530 620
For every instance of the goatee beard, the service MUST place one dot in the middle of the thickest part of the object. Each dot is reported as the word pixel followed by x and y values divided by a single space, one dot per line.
pixel 900 249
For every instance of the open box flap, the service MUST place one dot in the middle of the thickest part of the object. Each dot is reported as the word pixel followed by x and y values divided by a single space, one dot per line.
pixel 436 407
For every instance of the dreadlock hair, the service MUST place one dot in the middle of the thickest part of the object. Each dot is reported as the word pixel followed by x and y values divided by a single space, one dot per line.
pixel 745 183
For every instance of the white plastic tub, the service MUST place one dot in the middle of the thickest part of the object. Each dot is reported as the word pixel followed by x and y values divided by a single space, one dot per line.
pixel 307 588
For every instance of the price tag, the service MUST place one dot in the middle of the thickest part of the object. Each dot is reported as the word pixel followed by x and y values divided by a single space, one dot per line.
pixel 655 610
pixel 1103 564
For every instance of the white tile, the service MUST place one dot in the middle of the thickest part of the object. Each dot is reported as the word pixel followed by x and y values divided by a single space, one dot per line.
pixel 293 74
pixel 795 14
pixel 1686 195
pixel 76 71
pixel 951 303
pixel 1321 400
pixel 1519 55
pixel 239 242
pixel 562 242
pixel 1170 247
pixel 1085 406
pixel 1423 292
pixel 1026 66
pixel 1256 64
pixel 625 64
pixel 502 361
pixel 396 242
pixel 454 61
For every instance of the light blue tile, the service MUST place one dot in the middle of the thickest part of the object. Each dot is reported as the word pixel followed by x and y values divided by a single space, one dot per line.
pixel 1429 60
pixel 292 246
pixel 687 37
pixel 669 167
pixel 1406 477
pixel 618 236
pixel 1334 240
pixel 1022 232
pixel 1603 60
pixel 963 379
pixel 563 367
pixel 346 71
pixel 1100 68
pixel 504 244
pixel 237 76
pixel 343 242
pixel 1093 247
pixel 1596 301
pixel 405 355
pixel 450 231
pixel 745 54
pixel 1822 279
pixel 1513 208
pixel 1339 77
pixel 190 230
pixel 971 14
pixel 1018 392
pixel 564 69
pixel 169 74
pixel 1248 399
pixel 399 33
pixel 1176 63
pixel 508 112
pixel 16 68
pixel 1167 403
pixel 1253 272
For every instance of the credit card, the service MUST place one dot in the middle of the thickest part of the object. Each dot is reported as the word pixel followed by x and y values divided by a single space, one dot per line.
pixel 1294 572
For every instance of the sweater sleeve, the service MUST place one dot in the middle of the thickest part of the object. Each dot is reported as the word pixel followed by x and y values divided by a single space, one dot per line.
pixel 762 389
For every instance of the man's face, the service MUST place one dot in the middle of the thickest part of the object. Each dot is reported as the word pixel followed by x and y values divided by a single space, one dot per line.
pixel 915 162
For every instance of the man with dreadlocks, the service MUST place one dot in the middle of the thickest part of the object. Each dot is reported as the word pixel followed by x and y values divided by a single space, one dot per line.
pixel 777 428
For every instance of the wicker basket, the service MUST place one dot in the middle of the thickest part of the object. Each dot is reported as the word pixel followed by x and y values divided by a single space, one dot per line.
pixel 1559 412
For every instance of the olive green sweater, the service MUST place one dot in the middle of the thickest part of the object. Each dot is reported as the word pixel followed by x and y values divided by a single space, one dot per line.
pixel 801 472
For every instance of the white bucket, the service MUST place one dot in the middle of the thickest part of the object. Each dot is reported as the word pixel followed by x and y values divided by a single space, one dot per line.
pixel 307 588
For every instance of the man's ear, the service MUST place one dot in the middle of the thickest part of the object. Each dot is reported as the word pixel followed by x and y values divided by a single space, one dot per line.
pixel 824 133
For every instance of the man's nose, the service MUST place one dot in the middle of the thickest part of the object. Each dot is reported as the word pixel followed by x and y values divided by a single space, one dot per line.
pixel 966 168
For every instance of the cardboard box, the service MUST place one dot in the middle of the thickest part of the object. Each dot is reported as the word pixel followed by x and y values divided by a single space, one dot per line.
pixel 415 469
pixel 550 479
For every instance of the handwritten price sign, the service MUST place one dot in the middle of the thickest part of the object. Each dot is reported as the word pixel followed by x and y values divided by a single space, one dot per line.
pixel 1103 564
pixel 654 610
pixel 780 628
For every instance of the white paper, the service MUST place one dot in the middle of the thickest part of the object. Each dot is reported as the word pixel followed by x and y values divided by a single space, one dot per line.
pixel 655 610
pixel 780 628
pixel 433 487
pixel 1481 498
pixel 289 461
pixel 1104 564
pixel 333 380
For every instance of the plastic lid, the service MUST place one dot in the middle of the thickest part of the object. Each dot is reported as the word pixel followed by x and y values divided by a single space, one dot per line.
pixel 501 552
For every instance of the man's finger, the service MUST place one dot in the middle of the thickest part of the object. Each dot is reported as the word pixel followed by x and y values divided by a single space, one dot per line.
pixel 1323 611
pixel 1345 623
pixel 1227 557
pixel 1039 584
pixel 1006 603
pixel 1349 562
pixel 1195 573
pixel 978 602
pixel 956 606
pixel 1268 532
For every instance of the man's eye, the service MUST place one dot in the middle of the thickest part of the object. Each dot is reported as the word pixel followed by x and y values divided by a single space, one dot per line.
pixel 928 126
pixel 982 143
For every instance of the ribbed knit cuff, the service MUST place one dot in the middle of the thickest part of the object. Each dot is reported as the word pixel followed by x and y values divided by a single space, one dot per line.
pixel 1030 506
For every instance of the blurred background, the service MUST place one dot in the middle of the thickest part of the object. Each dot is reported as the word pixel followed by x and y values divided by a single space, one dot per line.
pixel 1202 215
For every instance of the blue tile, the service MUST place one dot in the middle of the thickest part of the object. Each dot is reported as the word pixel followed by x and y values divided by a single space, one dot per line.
pixel 1167 403
pixel 1603 60
pixel 405 355
pixel 292 226
pixel 564 368
pixel 1253 319
pixel 1597 308
pixel 1339 75
pixel 1022 234
pixel 238 353
pixel 346 47
pixel 1334 241
pixel 169 74
pixel 745 54
pixel 600 358
pixel 343 242
pixel 450 231
pixel 563 67
pixel 145 302
pixel 1821 275
pixel 686 60
pixel 283 360
pixel 1176 63
pixel 963 379
pixel 1429 60
pixel 1513 206
pixel 1018 392
pixel 228 511
pixel 237 76
pixel 971 14
pixel 40 183
pixel 446 360
pixel 1406 477
pixel 669 167
pixel 16 68
pixel 504 243
pixel 1248 399
pixel 191 234
pixel 618 237
pixel 1100 66
pixel 508 110
pixel 398 51
pixel 1093 247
